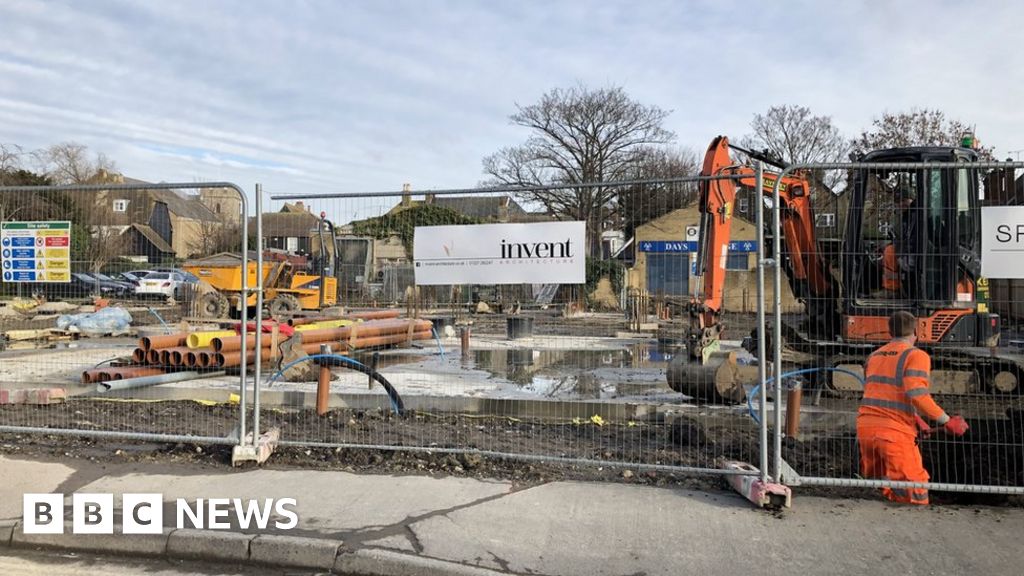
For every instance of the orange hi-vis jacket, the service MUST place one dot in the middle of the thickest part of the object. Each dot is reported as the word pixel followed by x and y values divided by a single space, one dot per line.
pixel 896 386
pixel 890 269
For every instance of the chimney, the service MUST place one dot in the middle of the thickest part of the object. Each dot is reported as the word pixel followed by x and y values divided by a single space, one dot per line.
pixel 505 201
pixel 299 205
pixel 406 194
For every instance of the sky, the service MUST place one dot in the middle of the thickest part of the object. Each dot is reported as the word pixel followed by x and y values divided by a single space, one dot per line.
pixel 348 97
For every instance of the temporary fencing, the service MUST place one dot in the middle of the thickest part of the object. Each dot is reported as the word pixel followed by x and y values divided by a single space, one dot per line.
pixel 93 297
pixel 911 238
pixel 532 368
pixel 365 355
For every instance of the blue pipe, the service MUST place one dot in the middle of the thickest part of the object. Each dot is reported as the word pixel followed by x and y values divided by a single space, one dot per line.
pixel 754 391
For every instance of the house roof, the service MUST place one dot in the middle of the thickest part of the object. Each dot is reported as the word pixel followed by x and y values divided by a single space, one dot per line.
pixel 179 205
pixel 288 224
pixel 486 207
pixel 149 234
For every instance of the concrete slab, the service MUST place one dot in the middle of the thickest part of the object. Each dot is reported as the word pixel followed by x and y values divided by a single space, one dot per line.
pixel 327 502
pixel 26 477
pixel 387 563
pixel 399 543
pixel 597 529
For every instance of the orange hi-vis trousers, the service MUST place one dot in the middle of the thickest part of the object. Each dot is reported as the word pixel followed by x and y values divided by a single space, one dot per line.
pixel 893 455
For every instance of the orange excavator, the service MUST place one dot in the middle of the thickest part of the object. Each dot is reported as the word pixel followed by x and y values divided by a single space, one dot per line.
pixel 931 217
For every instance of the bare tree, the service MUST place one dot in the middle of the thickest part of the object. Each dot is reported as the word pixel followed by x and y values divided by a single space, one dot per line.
pixel 642 203
pixel 70 163
pixel 579 136
pixel 19 206
pixel 917 127
pixel 216 236
pixel 793 134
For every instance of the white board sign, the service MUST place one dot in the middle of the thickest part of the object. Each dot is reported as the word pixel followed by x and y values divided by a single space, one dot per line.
pixel 1002 242
pixel 539 253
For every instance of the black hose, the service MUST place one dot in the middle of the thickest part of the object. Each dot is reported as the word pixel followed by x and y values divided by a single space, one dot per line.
pixel 335 361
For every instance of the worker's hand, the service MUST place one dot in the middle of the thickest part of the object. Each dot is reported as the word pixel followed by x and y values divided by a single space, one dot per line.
pixel 956 426
pixel 922 427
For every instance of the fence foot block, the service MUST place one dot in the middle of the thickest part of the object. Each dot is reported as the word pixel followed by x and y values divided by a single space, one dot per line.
pixel 761 494
pixel 40 396
pixel 259 451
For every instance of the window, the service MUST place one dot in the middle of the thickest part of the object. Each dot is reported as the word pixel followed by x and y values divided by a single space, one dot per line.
pixel 737 261
pixel 120 205
pixel 743 204
pixel 825 220
pixel 965 219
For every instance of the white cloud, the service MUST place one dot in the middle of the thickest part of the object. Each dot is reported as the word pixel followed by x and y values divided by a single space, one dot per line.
pixel 350 96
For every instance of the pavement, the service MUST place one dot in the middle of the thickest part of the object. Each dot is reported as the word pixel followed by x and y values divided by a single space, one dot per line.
pixel 376 524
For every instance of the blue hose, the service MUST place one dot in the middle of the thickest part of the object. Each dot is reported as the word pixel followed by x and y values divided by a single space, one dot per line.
pixel 153 312
pixel 345 359
pixel 754 391
pixel 438 338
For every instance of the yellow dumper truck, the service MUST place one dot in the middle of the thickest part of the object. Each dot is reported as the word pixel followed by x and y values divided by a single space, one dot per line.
pixel 287 287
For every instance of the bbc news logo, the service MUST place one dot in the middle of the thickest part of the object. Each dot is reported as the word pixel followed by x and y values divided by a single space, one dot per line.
pixel 144 513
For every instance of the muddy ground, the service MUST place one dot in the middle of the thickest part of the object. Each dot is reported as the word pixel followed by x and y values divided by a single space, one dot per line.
pixel 993 452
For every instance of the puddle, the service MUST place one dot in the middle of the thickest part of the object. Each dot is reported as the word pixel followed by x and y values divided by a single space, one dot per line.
pixel 582 374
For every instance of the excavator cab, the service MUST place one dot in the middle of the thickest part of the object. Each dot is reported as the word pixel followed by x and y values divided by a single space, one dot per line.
pixel 913 242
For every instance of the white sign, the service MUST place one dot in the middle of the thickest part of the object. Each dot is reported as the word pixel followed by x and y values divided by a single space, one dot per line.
pixel 540 253
pixel 692 233
pixel 1002 241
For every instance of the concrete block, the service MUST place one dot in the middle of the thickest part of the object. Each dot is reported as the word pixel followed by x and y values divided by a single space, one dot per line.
pixel 209 545
pixel 294 551
pixel 7 528
pixel 33 396
pixel 119 544
pixel 46 396
pixel 12 396
pixel 386 563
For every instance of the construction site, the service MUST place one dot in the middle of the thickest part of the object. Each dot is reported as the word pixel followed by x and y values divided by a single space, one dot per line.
pixel 661 362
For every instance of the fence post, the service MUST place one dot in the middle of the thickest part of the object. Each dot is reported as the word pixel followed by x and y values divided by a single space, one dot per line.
pixel 777 323
pixel 258 360
pixel 761 348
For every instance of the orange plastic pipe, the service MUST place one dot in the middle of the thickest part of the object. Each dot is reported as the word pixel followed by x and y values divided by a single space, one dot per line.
pixel 169 341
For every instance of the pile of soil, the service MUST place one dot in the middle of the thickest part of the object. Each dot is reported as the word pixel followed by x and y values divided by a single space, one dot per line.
pixel 993 453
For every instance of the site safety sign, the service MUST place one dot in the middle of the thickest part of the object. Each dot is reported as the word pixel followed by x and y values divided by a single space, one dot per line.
pixel 35 251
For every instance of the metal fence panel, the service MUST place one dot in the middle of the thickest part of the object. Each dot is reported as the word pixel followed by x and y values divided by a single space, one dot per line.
pixel 88 274
pixel 586 383
pixel 910 240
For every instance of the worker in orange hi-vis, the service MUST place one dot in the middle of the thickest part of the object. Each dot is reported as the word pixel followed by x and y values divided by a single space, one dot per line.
pixel 890 416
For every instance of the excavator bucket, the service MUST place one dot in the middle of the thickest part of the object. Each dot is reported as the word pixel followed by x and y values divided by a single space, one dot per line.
pixel 713 380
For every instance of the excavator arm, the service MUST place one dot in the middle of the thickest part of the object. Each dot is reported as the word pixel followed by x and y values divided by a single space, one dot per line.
pixel 807 271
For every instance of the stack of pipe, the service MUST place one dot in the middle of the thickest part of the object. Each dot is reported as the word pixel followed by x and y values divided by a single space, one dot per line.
pixel 368 334
pixel 216 350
